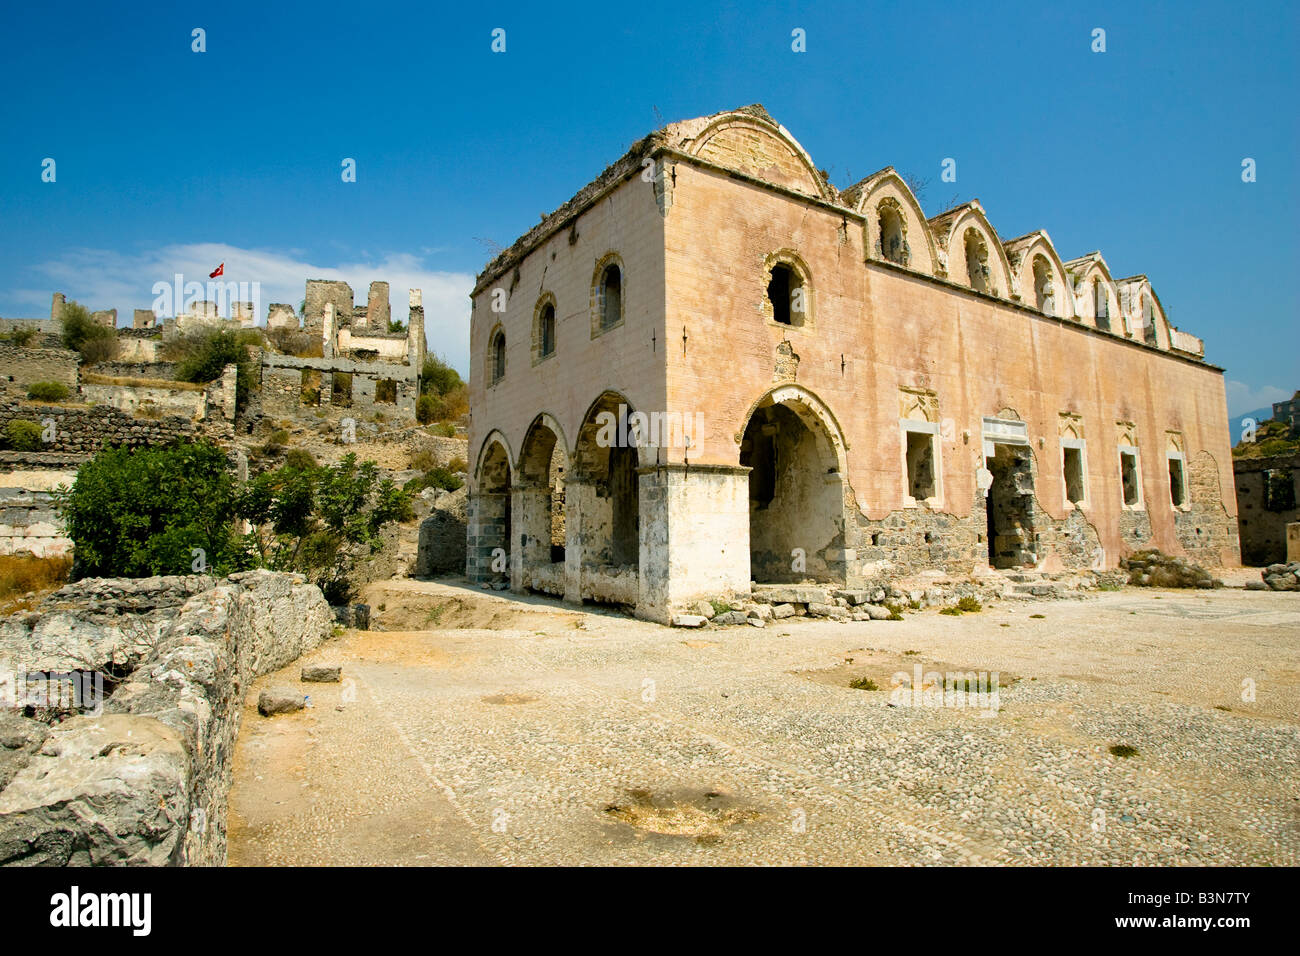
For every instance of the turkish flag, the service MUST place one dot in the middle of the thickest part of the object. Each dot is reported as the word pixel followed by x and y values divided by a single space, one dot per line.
pixel 219 271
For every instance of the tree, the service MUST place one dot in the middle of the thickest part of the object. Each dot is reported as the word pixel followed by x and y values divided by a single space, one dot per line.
pixel 81 333
pixel 314 519
pixel 203 356
pixel 140 512
pixel 443 395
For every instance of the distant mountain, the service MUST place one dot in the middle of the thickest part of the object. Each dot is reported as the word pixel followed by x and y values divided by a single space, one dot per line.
pixel 1259 414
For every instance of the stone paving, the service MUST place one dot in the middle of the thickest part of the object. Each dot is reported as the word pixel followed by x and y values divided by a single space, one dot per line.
pixel 564 736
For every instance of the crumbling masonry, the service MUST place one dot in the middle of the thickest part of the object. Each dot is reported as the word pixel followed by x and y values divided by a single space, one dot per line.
pixel 814 384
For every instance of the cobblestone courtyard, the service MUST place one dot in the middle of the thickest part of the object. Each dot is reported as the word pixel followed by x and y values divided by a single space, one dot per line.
pixel 526 732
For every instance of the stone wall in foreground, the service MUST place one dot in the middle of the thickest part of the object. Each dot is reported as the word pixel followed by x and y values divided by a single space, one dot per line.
pixel 145 781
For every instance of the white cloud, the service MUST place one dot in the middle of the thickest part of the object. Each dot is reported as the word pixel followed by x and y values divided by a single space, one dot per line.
pixel 107 279
pixel 1242 398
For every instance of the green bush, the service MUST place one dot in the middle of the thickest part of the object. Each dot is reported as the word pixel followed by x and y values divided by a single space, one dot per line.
pixel 22 435
pixel 95 342
pixel 202 357
pixel 305 516
pixel 22 336
pixel 299 458
pixel 438 377
pixel 443 395
pixel 48 391
pixel 436 477
pixel 141 512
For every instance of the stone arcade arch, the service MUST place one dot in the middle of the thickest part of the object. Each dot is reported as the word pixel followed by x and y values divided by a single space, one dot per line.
pixel 538 508
pixel 795 452
pixel 489 544
pixel 602 507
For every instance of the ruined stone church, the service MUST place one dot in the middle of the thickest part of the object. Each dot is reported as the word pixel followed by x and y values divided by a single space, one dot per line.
pixel 710 367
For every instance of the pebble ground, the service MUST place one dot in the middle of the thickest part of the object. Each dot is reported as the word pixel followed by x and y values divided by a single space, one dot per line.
pixel 580 737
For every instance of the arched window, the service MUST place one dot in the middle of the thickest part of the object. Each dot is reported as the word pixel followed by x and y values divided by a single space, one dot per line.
pixel 546 331
pixel 977 261
pixel 1100 304
pixel 1044 293
pixel 787 294
pixel 497 358
pixel 893 241
pixel 611 296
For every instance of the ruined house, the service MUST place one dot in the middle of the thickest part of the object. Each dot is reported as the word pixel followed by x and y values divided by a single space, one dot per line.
pixel 355 363
pixel 813 384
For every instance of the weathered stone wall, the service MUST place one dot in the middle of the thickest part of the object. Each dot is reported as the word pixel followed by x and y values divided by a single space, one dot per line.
pixel 696 240
pixel 188 402
pixel 21 367
pixel 282 381
pixel 1262 528
pixel 164 371
pixel 323 292
pixel 442 536
pixel 86 430
pixel 146 781
pixel 29 524
pixel 1205 529
pixel 138 346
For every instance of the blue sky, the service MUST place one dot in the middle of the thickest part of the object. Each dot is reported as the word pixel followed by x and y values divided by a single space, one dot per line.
pixel 170 160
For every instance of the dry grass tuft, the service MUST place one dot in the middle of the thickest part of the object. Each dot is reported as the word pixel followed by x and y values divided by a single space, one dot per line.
pixel 21 574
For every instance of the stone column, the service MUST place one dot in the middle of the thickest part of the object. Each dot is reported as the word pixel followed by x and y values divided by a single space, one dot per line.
pixel 486 533
pixel 694 535
pixel 530 516
pixel 328 325
pixel 415 343
pixel 575 492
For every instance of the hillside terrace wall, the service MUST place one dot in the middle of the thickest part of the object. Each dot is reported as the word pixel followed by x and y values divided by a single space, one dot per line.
pixel 21 367
pixel 84 431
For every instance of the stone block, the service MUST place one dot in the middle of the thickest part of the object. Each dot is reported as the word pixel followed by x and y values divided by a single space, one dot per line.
pixel 279 701
pixel 321 673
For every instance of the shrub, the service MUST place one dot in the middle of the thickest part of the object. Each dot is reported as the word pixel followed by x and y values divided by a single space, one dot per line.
pixel 438 377
pixel 895 612
pixel 445 430
pixel 99 348
pixel 305 518
pixel 433 478
pixel 459 465
pixel 1123 750
pixel 864 683
pixel 22 336
pixel 422 460
pixel 202 356
pixel 296 343
pixel 140 512
pixel 299 458
pixel 951 611
pixel 48 391
pixel 22 435
pixel 970 605
pixel 443 394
